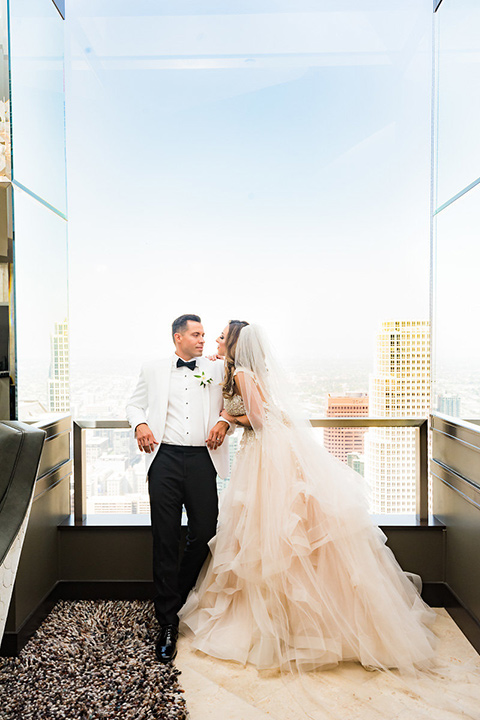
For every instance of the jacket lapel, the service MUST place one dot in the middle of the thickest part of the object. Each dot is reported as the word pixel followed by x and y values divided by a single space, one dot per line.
pixel 163 378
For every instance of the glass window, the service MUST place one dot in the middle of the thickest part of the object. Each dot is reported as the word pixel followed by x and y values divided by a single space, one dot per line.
pixel 261 162
pixel 458 99
pixel 38 105
pixel 41 302
pixel 457 362
pixel 265 151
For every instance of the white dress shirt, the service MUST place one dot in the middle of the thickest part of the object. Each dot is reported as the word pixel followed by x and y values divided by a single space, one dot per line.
pixel 184 424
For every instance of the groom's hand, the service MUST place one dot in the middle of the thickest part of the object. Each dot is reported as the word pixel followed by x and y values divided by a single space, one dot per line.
pixel 145 439
pixel 217 435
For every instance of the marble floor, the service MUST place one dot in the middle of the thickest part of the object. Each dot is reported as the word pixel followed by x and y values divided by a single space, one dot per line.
pixel 218 690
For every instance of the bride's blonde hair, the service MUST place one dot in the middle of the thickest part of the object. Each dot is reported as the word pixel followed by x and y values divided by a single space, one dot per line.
pixel 234 329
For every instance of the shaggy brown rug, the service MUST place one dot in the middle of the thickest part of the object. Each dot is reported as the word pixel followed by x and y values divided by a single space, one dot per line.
pixel 92 660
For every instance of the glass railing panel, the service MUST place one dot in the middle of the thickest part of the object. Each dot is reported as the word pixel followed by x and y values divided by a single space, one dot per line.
pixel 385 459
pixel 116 472
pixel 38 107
pixel 41 309
pixel 458 66
pixel 457 342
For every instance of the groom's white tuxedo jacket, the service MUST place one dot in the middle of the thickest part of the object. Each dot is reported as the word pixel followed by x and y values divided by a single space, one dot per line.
pixel 149 403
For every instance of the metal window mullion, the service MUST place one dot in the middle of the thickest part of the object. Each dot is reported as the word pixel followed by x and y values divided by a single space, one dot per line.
pixel 79 475
pixel 421 475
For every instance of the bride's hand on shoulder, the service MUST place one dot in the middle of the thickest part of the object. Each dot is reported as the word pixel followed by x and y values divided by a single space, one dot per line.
pixel 214 357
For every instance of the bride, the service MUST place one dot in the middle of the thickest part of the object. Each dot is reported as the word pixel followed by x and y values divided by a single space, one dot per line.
pixel 299 576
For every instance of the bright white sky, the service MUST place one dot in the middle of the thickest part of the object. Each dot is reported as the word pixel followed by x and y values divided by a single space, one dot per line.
pixel 267 162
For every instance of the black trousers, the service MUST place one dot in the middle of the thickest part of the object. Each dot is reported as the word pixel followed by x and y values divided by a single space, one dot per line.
pixel 180 476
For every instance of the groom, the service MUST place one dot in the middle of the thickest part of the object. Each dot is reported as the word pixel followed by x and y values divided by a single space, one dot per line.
pixel 175 412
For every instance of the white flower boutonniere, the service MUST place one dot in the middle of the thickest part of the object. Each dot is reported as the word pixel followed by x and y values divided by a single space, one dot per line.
pixel 204 380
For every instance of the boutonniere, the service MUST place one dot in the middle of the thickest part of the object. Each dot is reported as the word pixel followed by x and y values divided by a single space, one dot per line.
pixel 204 380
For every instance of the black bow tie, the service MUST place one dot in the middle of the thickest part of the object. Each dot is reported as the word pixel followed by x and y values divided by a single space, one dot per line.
pixel 190 365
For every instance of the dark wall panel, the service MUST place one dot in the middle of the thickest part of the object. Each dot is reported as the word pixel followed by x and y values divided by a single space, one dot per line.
pixel 462 560
pixel 419 551
pixel 105 553
pixel 38 567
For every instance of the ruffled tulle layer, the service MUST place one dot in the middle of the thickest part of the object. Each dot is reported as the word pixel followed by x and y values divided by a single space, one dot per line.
pixel 299 575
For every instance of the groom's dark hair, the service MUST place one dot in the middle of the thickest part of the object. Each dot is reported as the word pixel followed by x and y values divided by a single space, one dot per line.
pixel 180 324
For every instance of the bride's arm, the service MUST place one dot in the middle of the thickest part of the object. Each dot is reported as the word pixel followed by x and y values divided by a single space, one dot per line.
pixel 252 396
pixel 236 419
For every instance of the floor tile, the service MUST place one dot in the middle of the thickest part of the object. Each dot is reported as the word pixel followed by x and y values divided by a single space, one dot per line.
pixel 228 691
pixel 246 682
pixel 208 701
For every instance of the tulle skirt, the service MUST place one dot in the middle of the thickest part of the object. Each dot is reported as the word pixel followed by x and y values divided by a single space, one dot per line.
pixel 299 576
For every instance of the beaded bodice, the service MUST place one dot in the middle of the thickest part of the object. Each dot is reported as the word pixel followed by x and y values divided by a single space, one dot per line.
pixel 234 405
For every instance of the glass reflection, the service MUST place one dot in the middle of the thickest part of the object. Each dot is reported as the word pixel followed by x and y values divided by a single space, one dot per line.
pixel 37 73
pixel 41 306
pixel 458 63
pixel 457 362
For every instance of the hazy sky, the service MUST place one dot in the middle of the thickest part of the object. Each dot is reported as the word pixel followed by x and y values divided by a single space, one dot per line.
pixel 269 164
pixel 267 161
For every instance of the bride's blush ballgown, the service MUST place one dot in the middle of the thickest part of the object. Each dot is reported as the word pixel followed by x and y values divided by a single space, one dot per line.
pixel 299 575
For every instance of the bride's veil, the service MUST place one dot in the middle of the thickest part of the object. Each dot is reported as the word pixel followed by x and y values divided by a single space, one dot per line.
pixel 264 380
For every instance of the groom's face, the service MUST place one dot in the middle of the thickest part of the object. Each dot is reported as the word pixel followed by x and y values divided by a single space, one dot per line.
pixel 190 344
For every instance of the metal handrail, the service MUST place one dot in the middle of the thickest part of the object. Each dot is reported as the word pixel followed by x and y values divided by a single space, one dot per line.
pixel 421 446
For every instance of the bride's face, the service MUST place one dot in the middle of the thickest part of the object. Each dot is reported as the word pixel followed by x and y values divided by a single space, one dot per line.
pixel 221 350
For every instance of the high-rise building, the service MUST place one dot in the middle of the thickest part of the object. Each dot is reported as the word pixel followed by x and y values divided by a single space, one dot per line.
pixel 59 376
pixel 449 404
pixel 399 387
pixel 356 462
pixel 343 441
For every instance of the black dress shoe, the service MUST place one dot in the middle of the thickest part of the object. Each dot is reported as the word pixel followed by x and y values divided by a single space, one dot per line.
pixel 166 646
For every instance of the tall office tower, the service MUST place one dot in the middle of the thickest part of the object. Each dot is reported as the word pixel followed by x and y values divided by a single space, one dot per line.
pixel 59 378
pixel 344 441
pixel 449 404
pixel 399 387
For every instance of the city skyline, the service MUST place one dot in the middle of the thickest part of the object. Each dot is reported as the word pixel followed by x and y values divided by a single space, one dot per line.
pixel 399 386
pixel 312 379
